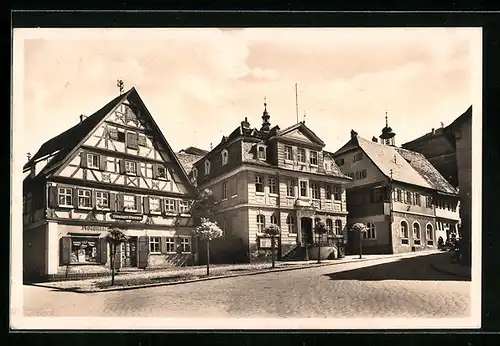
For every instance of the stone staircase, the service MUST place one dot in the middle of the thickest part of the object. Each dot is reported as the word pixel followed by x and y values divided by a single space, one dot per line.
pixel 298 253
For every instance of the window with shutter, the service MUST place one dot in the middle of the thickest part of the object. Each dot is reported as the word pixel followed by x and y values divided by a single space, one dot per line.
pixel 113 133
pixel 83 159
pixel 132 140
pixel 121 136
pixel 103 163
pixel 53 196
pixel 142 140
pixel 138 204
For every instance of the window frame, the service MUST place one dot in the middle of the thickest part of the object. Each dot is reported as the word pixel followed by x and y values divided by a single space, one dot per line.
pixel 66 195
pixel 128 165
pixel 290 188
pixel 288 152
pixel 224 190
pixel 155 211
pixel 299 151
pixel 224 157
pixel 261 149
pixel 313 156
pixel 337 193
pixel 207 167
pixel 315 191
pixel 90 163
pixel 337 226
pixel 261 222
pixel 184 207
pixel 404 239
pixel 98 205
pixel 306 188
pixel 158 175
pixel 273 187
pixel 89 191
pixel 328 192
pixel 259 184
pixel 357 157
pixel 183 244
pixel 167 205
pixel 371 231
pixel 291 224
pixel 329 225
pixel 275 218
pixel 430 240
pixel 416 239
pixel 128 209
pixel 152 241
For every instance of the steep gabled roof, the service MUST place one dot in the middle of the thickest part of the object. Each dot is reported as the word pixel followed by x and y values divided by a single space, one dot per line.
pixel 334 169
pixel 188 160
pixel 67 142
pixel 406 166
pixel 70 138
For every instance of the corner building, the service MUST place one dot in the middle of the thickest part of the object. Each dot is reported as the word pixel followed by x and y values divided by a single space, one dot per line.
pixel 271 176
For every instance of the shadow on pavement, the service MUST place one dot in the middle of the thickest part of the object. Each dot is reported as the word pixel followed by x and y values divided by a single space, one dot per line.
pixel 55 289
pixel 413 268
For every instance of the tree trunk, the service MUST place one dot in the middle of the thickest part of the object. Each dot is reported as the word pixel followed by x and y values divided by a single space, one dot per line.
pixel 272 252
pixel 360 243
pixel 319 249
pixel 208 257
pixel 112 255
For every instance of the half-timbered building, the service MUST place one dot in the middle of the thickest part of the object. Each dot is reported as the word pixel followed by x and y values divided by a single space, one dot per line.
pixel 112 169
pixel 272 176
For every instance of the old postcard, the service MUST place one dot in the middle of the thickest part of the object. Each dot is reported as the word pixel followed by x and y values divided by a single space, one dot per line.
pixel 211 178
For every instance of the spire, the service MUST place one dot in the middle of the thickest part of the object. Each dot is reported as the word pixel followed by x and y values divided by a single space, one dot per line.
pixel 265 118
pixel 386 122
pixel 387 135
pixel 120 85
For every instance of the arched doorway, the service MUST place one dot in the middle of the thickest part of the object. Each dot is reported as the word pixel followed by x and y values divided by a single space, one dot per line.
pixel 307 231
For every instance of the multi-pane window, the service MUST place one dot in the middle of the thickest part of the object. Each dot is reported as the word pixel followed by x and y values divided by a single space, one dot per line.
pixel 315 190
pixel 184 207
pixel 408 197
pixel 272 185
pixel 377 195
pixel 303 188
pixel 207 167
pixel 340 162
pixel 154 205
pixel 301 155
pixel 154 244
pixel 101 200
pixel 224 156
pixel 361 174
pixel 370 231
pixel 129 203
pixel 84 198
pixel 170 205
pixel 290 188
pixel 65 197
pixel 186 244
pixel 404 232
pixel 429 234
pixel 328 191
pixel 336 193
pixel 92 161
pixel 288 153
pixel 224 190
pixel 261 152
pixel 399 195
pixel 132 140
pixel 290 221
pixel 170 244
pixel 274 219
pixel 195 173
pixel 417 199
pixel 130 167
pixel 329 225
pixel 259 183
pixel 313 158
pixel 261 220
pixel 416 233
pixel 338 227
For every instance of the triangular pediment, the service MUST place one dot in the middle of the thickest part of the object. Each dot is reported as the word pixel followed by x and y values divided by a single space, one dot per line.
pixel 126 132
pixel 300 132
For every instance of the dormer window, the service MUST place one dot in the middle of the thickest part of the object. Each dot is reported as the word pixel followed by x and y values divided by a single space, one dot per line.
pixel 195 173
pixel 261 152
pixel 224 156
pixel 207 167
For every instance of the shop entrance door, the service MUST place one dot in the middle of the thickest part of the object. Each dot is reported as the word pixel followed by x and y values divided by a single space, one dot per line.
pixel 129 253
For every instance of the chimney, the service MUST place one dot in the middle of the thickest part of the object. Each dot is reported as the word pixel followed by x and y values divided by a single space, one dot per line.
pixel 245 124
pixel 374 139
pixel 353 134
pixel 29 156
pixel 82 117
pixel 433 131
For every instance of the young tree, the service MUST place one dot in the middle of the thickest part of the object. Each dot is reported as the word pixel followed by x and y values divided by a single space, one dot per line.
pixel 208 231
pixel 115 238
pixel 320 229
pixel 204 206
pixel 361 228
pixel 273 231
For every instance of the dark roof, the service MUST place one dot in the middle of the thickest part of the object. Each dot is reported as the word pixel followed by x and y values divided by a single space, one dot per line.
pixel 187 160
pixel 194 151
pixel 67 140
pixel 406 166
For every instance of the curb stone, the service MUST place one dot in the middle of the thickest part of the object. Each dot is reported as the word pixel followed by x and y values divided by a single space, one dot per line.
pixel 264 271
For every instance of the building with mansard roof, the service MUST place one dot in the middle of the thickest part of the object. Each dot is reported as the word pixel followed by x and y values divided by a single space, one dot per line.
pixel 112 169
pixel 401 197
pixel 268 175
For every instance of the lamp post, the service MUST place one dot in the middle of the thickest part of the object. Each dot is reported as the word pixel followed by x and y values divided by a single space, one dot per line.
pixel 360 243
pixel 319 247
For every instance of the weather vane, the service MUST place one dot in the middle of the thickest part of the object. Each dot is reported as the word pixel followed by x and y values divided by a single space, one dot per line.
pixel 120 85
pixel 304 118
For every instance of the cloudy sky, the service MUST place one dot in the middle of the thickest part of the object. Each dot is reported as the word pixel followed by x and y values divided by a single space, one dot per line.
pixel 200 83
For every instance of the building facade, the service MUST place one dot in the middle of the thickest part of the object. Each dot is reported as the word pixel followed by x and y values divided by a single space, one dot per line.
pixel 403 200
pixel 454 155
pixel 113 169
pixel 271 176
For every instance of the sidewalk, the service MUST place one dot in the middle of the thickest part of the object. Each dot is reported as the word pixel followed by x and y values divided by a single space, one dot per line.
pixel 179 275
pixel 444 265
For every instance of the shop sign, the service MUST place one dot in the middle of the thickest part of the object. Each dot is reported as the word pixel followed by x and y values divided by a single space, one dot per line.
pixel 94 228
pixel 126 217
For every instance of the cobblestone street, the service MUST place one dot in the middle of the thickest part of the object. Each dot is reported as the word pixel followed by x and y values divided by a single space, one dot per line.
pixel 397 287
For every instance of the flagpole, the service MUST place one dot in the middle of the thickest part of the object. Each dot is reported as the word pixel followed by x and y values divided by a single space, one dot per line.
pixel 296 103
